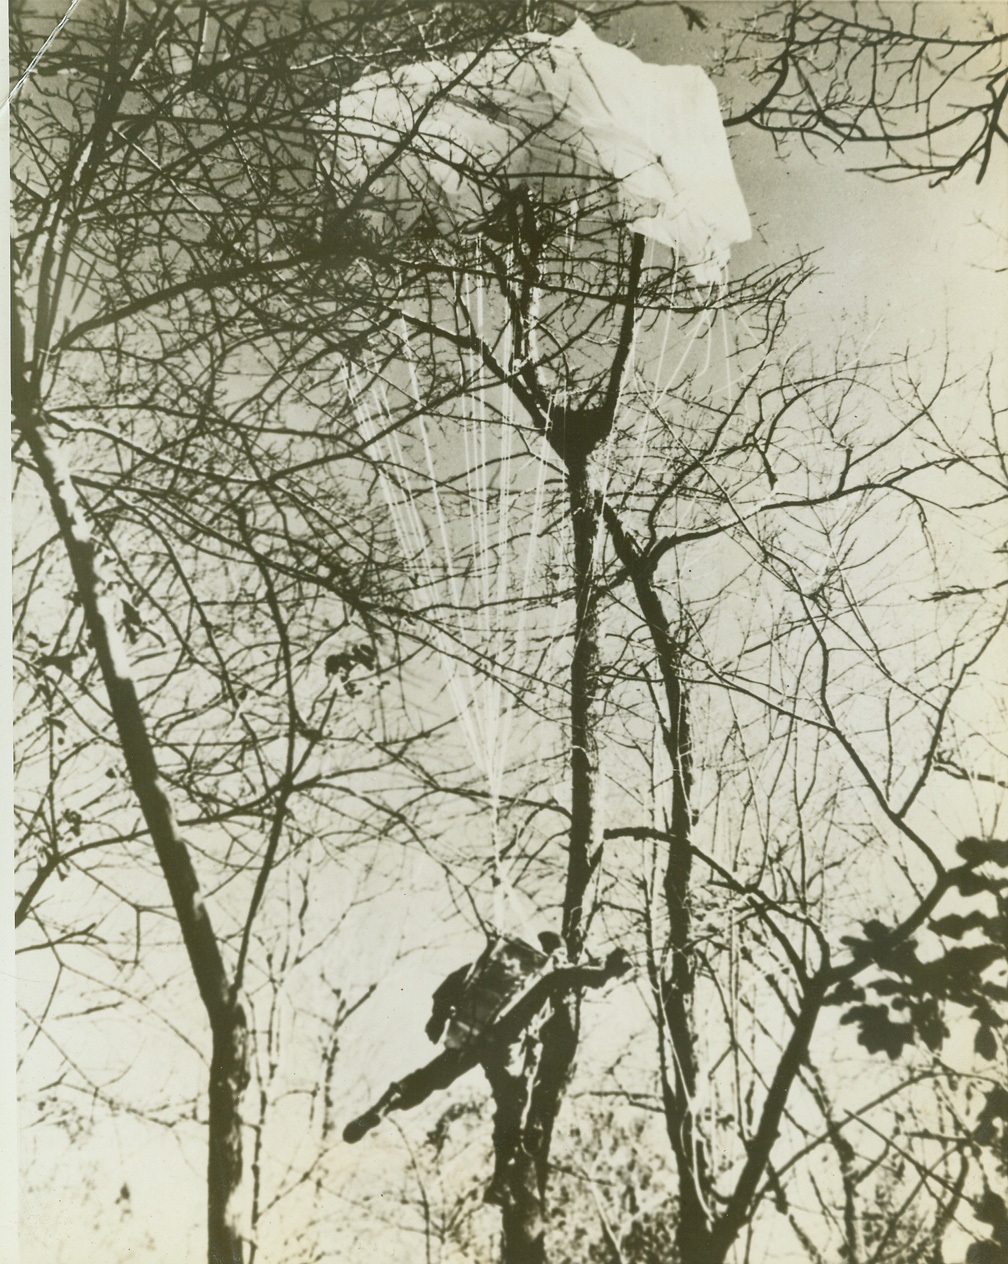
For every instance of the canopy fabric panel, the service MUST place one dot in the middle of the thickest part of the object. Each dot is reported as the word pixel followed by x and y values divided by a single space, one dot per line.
pixel 569 115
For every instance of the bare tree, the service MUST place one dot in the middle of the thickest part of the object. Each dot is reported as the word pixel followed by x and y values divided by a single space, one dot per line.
pixel 240 403
pixel 781 936
pixel 780 483
pixel 908 90
pixel 208 589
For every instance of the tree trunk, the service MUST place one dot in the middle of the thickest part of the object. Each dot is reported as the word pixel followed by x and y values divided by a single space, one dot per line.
pixel 584 511
pixel 228 1073
pixel 527 1103
pixel 674 980
pixel 228 1080
pixel 522 1178
pixel 522 1222
pixel 516 1187
pixel 573 433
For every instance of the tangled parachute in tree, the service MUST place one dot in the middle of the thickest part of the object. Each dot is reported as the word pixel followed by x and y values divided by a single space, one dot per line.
pixel 524 175
pixel 567 116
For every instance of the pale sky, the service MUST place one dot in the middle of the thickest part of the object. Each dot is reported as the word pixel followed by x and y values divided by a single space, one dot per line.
pixel 914 257
pixel 907 264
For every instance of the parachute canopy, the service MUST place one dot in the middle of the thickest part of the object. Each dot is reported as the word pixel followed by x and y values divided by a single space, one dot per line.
pixel 568 115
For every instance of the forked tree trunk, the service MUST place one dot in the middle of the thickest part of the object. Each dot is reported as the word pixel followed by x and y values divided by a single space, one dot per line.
pixel 706 1230
pixel 574 433
pixel 534 1097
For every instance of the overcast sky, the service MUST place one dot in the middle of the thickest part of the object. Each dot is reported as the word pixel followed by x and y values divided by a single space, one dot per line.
pixel 915 257
pixel 910 263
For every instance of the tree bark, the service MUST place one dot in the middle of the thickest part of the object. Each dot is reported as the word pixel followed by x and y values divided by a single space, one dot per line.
pixel 228 1072
pixel 522 1177
pixel 584 680
pixel 574 433
pixel 228 1080
pixel 527 1102
pixel 675 981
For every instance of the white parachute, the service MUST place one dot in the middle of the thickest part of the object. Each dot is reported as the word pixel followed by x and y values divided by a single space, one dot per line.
pixel 582 124
pixel 569 114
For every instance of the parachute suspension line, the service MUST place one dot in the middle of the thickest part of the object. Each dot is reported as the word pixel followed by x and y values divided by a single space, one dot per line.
pixel 474 446
pixel 644 420
pixel 429 459
pixel 558 623
pixel 492 602
pixel 665 334
pixel 712 312
pixel 475 467
pixel 629 368
pixel 663 351
pixel 408 530
pixel 414 542
pixel 574 217
pixel 729 383
pixel 484 733
pixel 523 621
pixel 656 390
pixel 542 464
pixel 700 324
pixel 509 612
pixel 518 613
pixel 491 606
pixel 502 628
pixel 496 560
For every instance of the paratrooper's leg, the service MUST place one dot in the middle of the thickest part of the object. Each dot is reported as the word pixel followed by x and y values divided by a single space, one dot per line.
pixel 412 1089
